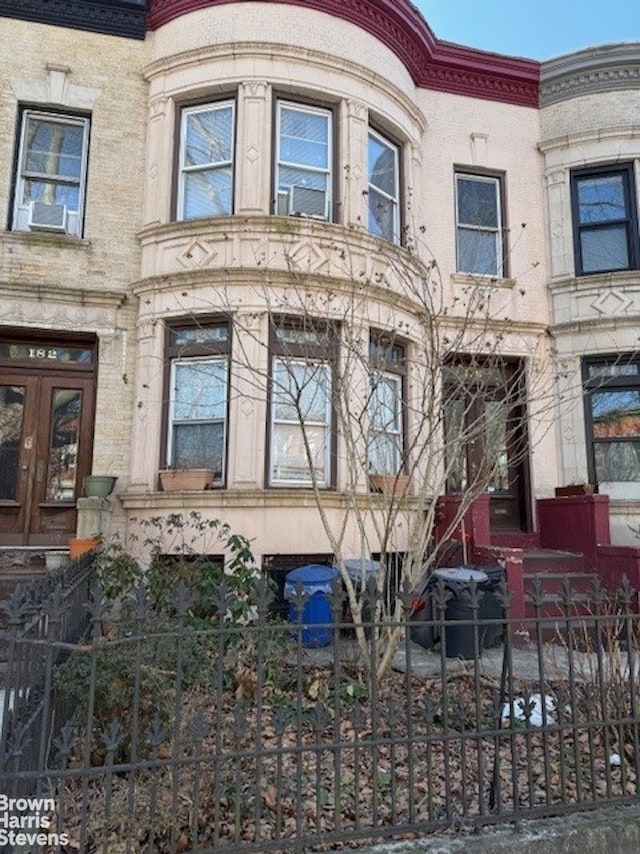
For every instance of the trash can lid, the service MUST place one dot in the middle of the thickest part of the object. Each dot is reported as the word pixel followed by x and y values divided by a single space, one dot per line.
pixel 313 573
pixel 356 569
pixel 461 574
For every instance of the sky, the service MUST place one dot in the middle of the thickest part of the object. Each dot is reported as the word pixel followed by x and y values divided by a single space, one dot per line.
pixel 537 29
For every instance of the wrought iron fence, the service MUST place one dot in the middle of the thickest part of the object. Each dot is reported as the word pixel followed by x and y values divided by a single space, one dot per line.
pixel 42 622
pixel 235 733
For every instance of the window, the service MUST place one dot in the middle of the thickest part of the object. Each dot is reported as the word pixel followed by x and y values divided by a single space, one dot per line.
pixel 612 403
pixel 198 393
pixel 303 161
pixel 301 404
pixel 51 173
pixel 605 222
pixel 479 225
pixel 384 188
pixel 206 161
pixel 385 409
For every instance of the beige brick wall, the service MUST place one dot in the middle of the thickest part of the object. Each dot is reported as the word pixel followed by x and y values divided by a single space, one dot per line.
pixel 61 283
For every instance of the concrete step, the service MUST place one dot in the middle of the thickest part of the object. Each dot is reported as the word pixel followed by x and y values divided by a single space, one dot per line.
pixel 552 561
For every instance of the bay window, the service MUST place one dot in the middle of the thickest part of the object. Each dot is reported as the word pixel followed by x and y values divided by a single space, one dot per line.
pixel 198 358
pixel 304 161
pixel 205 186
pixel 301 423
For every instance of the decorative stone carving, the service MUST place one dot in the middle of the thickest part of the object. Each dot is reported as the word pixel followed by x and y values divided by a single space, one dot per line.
pixel 199 253
pixel 611 301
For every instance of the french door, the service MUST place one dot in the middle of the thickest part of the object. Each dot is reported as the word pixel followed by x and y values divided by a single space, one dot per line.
pixel 46 427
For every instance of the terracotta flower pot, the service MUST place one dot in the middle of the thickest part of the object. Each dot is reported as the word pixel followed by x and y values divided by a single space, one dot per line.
pixel 389 484
pixel 179 480
pixel 79 546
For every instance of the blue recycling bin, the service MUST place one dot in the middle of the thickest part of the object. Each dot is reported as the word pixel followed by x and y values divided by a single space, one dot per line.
pixel 317 614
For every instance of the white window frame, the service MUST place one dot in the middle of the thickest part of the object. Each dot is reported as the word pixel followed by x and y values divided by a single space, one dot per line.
pixel 497 231
pixel 21 208
pixel 173 421
pixel 394 438
pixel 223 164
pixel 393 200
pixel 281 188
pixel 326 424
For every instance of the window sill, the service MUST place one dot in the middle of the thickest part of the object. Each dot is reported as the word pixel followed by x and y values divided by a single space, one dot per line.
pixel 46 238
pixel 472 280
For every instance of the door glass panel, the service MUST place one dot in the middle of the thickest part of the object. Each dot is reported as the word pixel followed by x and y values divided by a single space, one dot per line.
pixel 12 399
pixel 63 445
pixel 495 413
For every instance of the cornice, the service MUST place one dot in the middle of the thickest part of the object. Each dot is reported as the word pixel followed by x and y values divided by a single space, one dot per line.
pixel 256 50
pixel 433 64
pixel 124 18
pixel 588 72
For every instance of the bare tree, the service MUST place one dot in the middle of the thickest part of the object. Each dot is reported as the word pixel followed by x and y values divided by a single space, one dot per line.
pixel 388 390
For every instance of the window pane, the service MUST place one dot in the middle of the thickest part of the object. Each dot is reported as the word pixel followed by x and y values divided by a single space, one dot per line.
pixel 495 425
pixel 51 194
pixel 616 414
pixel 385 454
pixel 301 391
pixel 604 249
pixel 200 390
pixel 12 399
pixel 601 199
pixel 382 166
pixel 455 444
pixel 384 408
pixel 616 370
pixel 209 137
pixel 617 461
pixel 289 461
pixel 478 252
pixel 199 446
pixel 304 138
pixel 217 333
pixel 301 178
pixel 63 445
pixel 477 202
pixel 382 215
pixel 207 193
pixel 54 148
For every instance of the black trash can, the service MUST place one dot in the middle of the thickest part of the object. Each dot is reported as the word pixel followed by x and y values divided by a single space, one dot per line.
pixel 421 620
pixel 491 608
pixel 462 630
pixel 361 572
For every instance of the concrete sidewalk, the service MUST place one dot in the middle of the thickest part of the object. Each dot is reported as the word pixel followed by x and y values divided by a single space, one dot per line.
pixel 610 831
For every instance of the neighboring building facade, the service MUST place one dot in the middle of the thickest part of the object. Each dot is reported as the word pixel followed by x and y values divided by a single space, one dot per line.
pixel 189 185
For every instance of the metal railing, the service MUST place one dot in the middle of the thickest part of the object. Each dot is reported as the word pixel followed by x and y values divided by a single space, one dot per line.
pixel 208 735
pixel 43 621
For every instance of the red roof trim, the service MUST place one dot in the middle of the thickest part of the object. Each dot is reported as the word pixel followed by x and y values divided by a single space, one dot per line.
pixel 433 64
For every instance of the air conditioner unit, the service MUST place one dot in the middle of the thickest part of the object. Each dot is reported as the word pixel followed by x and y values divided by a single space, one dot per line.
pixel 282 203
pixel 305 201
pixel 44 217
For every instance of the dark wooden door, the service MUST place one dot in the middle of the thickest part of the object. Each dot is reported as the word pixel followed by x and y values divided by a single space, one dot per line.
pixel 485 428
pixel 46 427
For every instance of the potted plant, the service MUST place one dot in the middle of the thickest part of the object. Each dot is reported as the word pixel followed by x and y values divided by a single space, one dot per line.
pixel 180 480
pixel 98 485
pixel 389 484
pixel 574 489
